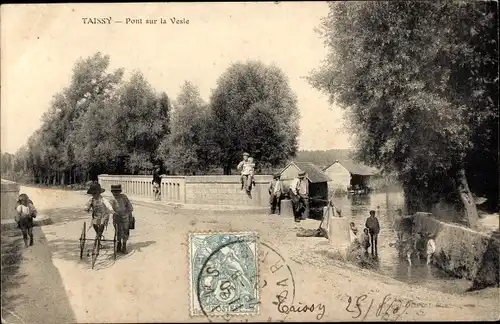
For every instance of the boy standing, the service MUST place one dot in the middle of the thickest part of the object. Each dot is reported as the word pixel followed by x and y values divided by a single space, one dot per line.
pixel 121 204
pixel 24 218
pixel 365 240
pixel 373 228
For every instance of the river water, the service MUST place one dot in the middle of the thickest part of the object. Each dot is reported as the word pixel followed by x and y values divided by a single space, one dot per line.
pixel 357 208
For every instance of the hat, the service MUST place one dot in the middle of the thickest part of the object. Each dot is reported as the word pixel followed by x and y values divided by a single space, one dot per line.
pixel 23 197
pixel 302 174
pixel 116 188
pixel 276 175
pixel 95 188
pixel 246 154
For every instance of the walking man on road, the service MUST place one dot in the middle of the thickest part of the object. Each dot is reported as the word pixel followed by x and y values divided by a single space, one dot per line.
pixel 123 207
pixel 275 192
pixel 299 194
pixel 373 228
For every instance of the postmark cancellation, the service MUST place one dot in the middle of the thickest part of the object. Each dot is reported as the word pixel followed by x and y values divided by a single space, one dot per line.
pixel 224 274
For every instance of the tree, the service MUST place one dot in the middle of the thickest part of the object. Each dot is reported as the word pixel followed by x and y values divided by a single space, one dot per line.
pixel 419 81
pixel 254 109
pixel 186 149
pixel 7 164
pixel 139 116
pixel 57 148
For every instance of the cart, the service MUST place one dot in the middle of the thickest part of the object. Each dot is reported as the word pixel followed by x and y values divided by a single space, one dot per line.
pixel 97 244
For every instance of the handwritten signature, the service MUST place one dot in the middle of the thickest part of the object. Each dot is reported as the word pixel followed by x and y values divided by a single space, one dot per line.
pixel 301 308
pixel 389 307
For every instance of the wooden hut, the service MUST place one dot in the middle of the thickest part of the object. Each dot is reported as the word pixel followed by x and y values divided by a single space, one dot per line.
pixel 318 181
pixel 347 175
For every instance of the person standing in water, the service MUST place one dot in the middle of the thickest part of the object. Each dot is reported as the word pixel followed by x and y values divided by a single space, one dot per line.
pixel 374 228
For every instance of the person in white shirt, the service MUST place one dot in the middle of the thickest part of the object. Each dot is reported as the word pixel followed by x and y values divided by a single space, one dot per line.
pixel 275 193
pixel 26 211
pixel 101 208
pixel 246 167
pixel 299 194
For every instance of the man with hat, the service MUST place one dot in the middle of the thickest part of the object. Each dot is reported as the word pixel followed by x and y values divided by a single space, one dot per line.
pixel 275 192
pixel 123 213
pixel 245 171
pixel 299 194
pixel 101 208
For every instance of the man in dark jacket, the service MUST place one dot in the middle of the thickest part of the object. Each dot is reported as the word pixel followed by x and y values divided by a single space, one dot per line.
pixel 373 228
pixel 275 193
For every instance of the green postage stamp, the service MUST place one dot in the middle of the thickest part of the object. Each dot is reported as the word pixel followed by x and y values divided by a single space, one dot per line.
pixel 223 274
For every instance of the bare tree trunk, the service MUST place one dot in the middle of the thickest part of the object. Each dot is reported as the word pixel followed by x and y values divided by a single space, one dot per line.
pixel 467 200
pixel 227 169
pixel 413 201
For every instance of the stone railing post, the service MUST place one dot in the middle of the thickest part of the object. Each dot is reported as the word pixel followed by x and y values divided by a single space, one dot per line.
pixel 10 194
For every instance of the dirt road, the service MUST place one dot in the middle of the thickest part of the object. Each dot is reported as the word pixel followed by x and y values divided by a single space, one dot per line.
pixel 151 283
pixel 32 289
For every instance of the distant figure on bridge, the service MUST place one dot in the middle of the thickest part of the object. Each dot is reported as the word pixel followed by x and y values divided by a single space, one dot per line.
pixel 374 228
pixel 157 183
pixel 275 193
pixel 101 208
pixel 247 168
pixel 26 211
pixel 121 204
pixel 299 194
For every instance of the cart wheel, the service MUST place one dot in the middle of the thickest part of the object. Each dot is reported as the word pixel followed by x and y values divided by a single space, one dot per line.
pixel 82 241
pixel 95 251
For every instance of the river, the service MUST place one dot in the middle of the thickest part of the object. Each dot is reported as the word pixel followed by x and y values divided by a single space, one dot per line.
pixel 358 207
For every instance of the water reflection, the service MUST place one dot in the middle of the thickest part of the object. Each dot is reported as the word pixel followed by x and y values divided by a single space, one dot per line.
pixel 357 208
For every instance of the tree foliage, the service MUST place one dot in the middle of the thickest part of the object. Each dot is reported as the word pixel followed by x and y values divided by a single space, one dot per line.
pixel 186 151
pixel 254 110
pixel 420 82
pixel 101 123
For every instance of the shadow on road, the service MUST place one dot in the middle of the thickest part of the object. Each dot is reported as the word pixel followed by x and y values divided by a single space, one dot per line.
pixel 11 261
pixel 70 250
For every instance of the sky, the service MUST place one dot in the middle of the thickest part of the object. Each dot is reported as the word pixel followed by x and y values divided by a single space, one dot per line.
pixel 41 43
